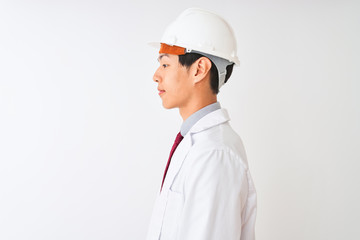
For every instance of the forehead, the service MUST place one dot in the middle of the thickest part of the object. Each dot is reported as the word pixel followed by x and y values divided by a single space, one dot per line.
pixel 165 56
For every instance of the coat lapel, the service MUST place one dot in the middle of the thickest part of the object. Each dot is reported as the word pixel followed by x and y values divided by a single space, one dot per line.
pixel 176 162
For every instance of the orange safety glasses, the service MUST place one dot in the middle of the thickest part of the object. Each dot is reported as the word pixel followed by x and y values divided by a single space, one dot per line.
pixel 175 50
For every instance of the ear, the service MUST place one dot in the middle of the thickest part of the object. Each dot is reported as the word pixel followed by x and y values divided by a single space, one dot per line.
pixel 202 67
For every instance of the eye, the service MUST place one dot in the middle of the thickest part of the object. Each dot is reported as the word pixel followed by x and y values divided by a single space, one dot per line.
pixel 165 65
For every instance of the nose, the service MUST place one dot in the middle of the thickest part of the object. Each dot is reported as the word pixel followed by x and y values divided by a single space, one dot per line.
pixel 156 77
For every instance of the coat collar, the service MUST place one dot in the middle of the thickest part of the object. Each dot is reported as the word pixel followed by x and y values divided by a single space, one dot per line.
pixel 210 120
pixel 195 117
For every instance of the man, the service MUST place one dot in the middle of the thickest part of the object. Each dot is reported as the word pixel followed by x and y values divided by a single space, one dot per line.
pixel 207 192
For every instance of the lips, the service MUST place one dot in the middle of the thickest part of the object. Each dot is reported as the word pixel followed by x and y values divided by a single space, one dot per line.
pixel 161 91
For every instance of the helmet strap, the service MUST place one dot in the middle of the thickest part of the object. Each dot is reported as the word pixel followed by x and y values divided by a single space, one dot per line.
pixel 220 64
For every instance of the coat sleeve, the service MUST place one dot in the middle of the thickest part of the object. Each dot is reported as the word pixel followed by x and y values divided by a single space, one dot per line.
pixel 215 192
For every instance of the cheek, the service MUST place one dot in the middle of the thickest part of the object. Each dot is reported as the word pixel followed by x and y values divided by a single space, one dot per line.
pixel 177 83
pixel 182 88
pixel 184 83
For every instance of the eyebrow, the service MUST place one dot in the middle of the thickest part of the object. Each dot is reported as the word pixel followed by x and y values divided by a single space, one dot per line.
pixel 162 55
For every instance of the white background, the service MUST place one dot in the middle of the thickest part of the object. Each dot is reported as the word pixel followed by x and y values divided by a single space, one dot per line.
pixel 84 139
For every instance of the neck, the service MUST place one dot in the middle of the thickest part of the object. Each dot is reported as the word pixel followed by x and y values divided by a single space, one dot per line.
pixel 189 109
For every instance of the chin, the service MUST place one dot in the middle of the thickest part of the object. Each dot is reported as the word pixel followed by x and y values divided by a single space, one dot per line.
pixel 168 106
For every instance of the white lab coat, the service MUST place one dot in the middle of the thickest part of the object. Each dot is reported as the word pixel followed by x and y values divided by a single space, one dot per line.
pixel 208 193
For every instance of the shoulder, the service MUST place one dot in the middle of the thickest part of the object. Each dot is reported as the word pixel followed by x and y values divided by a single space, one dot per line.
pixel 220 141
pixel 213 165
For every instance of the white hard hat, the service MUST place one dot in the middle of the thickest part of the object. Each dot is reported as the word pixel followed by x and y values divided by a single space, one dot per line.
pixel 200 31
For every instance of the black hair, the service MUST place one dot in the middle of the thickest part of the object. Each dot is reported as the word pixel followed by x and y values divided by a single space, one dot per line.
pixel 189 58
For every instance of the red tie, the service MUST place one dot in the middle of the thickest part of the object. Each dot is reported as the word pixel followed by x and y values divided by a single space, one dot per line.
pixel 178 139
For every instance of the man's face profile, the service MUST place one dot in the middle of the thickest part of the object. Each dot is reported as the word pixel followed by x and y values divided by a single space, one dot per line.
pixel 173 80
